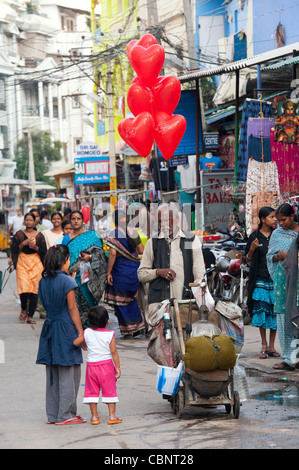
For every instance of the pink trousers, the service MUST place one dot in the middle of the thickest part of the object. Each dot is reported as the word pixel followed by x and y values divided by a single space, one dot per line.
pixel 100 376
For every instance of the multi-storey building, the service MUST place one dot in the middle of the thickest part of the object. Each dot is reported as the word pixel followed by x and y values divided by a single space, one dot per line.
pixel 45 78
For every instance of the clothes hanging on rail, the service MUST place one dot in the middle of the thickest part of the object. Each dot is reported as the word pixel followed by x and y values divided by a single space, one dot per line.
pixel 251 109
pixel 286 157
pixel 163 174
pixel 260 127
pixel 257 147
pixel 260 176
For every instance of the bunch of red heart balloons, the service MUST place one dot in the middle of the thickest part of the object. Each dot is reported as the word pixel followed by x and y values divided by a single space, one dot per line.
pixel 152 100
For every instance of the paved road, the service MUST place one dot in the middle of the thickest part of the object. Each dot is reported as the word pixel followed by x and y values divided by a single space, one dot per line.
pixel 148 422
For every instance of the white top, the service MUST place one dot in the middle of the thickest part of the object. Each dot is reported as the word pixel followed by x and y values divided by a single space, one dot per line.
pixel 47 223
pixel 51 237
pixel 98 344
pixel 17 222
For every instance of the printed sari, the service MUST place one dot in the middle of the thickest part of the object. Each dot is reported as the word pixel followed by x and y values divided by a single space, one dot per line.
pixel 123 294
pixel 89 293
pixel 281 240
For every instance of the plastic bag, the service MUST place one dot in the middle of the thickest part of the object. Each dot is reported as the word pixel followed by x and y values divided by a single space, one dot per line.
pixel 202 297
pixel 85 272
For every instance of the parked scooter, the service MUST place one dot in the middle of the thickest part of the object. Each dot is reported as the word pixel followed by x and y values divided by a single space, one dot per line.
pixel 227 280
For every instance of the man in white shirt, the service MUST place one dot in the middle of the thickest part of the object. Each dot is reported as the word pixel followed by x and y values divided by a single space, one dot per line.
pixel 44 219
pixel 171 260
pixel 17 222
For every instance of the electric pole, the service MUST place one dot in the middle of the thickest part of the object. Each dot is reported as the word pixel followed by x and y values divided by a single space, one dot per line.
pixel 31 165
pixel 112 159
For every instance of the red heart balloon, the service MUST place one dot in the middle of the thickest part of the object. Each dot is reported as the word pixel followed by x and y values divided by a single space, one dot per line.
pixel 145 41
pixel 169 132
pixel 167 93
pixel 138 133
pixel 139 99
pixel 130 45
pixel 147 63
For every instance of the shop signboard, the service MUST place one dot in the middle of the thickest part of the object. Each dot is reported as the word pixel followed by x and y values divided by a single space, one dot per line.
pixel 217 206
pixel 180 160
pixel 211 141
pixel 90 165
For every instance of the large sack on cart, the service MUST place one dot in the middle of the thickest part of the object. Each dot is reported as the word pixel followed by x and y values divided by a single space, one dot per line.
pixel 207 354
pixel 231 322
pixel 162 350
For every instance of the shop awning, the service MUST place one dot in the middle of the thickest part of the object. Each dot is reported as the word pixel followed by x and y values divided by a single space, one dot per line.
pixel 223 113
pixel 63 170
pixel 282 63
pixel 40 187
pixel 241 64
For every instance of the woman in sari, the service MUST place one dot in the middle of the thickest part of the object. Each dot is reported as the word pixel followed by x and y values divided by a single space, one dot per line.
pixel 280 242
pixel 28 250
pixel 86 254
pixel 122 279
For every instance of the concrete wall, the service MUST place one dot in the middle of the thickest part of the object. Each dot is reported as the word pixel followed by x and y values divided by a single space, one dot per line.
pixel 266 16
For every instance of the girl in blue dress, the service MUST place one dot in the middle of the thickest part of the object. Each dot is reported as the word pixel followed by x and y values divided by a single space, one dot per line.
pixel 62 326
pixel 260 285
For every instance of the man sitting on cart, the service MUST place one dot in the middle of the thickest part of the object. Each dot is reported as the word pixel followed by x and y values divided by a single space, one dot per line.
pixel 171 259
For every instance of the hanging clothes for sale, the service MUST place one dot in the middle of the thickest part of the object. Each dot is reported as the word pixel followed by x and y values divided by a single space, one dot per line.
pixel 185 176
pixel 163 174
pixel 259 127
pixel 258 148
pixel 262 188
pixel 286 157
pixel 251 109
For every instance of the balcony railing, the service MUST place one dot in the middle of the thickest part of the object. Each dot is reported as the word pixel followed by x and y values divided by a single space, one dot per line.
pixel 34 111
pixel 30 110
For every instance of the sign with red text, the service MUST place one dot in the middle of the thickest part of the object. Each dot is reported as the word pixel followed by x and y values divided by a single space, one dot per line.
pixel 216 205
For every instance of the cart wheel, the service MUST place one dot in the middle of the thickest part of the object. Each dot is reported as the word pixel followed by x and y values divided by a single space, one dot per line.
pixel 228 409
pixel 173 404
pixel 180 404
pixel 236 406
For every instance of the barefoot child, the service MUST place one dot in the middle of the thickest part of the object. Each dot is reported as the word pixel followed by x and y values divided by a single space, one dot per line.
pixel 102 368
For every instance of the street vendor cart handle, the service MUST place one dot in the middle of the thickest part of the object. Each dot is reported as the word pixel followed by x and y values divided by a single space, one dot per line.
pixel 179 324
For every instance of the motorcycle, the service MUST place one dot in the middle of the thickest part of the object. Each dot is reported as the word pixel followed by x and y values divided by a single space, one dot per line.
pixel 227 280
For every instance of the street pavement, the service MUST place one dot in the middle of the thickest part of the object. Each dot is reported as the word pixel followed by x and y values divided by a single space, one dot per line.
pixel 148 422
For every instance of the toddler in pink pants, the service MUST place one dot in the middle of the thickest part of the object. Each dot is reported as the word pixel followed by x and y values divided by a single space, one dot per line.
pixel 102 369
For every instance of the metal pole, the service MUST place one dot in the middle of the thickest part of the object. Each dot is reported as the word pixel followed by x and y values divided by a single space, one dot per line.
pixel 31 165
pixel 198 126
pixel 259 82
pixel 236 126
pixel 113 181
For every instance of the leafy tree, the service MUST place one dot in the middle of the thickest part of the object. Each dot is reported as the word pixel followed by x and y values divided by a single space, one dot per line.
pixel 44 153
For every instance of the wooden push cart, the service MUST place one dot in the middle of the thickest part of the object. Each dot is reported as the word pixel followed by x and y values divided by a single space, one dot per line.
pixel 202 388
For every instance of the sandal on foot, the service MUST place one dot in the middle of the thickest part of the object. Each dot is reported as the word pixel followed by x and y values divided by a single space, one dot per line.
pixel 31 321
pixel 263 354
pixel 283 366
pixel 95 420
pixel 273 353
pixel 115 421
pixel 23 316
pixel 76 420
